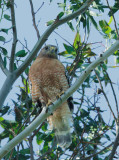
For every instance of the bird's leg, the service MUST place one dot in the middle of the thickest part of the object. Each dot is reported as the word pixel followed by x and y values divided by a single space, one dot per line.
pixel 49 103
pixel 59 95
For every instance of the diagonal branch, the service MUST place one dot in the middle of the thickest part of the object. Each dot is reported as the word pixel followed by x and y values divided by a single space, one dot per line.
pixel 92 156
pixel 105 96
pixel 5 70
pixel 11 65
pixel 116 144
pixel 46 112
pixel 116 102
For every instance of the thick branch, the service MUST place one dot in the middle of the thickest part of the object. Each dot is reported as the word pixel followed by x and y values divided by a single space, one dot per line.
pixel 116 144
pixel 6 88
pixel 33 17
pixel 5 70
pixel 44 114
pixel 47 33
pixel 11 66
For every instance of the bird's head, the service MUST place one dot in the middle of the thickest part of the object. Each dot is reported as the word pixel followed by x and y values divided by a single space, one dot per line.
pixel 49 51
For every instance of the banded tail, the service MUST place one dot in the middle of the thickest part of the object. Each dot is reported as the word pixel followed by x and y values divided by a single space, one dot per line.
pixel 63 137
pixel 61 122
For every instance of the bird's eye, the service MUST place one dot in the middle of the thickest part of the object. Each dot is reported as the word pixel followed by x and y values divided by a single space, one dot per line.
pixel 46 48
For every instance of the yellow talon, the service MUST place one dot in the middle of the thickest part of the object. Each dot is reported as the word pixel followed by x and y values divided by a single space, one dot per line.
pixel 49 103
pixel 58 96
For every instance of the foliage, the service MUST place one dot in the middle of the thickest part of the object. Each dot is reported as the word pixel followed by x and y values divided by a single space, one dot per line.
pixel 92 134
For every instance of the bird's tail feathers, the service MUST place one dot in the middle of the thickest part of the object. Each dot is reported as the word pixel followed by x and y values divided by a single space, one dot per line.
pixel 61 122
pixel 63 138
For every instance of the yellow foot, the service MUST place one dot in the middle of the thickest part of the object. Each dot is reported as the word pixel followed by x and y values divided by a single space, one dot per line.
pixel 58 96
pixel 49 103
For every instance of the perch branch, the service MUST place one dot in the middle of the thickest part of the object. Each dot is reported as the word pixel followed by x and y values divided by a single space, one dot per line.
pixel 116 144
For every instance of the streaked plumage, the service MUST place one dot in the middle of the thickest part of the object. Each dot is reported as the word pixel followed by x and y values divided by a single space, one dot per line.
pixel 48 80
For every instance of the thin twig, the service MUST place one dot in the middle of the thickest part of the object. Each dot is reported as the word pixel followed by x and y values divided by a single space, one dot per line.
pixel 105 95
pixel 93 155
pixel 11 66
pixel 39 7
pixel 24 46
pixel 31 147
pixel 34 20
pixel 116 143
pixel 63 38
pixel 113 18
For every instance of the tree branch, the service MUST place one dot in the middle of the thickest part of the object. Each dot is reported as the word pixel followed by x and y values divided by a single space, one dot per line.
pixel 6 88
pixel 46 112
pixel 33 17
pixel 116 144
pixel 105 96
pixel 116 102
pixel 11 65
pixel 87 158
pixel 5 70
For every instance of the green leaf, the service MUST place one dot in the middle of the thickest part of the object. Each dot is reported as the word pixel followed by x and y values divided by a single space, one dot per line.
pixel 21 53
pixel 44 127
pixel 61 5
pixel 25 151
pixel 49 22
pixel 117 60
pixel 105 27
pixel 69 49
pixel 77 41
pixel 110 21
pixel 4 30
pixel 4 51
pixel 2 39
pixel 5 62
pixel 1 119
pixel 4 134
pixel 70 26
pixel 4 110
pixel 60 15
pixel 94 22
pixel 7 17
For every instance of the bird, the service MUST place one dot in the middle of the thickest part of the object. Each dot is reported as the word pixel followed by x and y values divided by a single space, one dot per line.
pixel 48 81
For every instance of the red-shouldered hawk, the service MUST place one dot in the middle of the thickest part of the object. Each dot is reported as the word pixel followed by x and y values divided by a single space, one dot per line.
pixel 48 80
